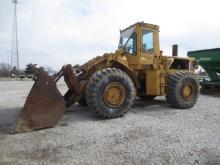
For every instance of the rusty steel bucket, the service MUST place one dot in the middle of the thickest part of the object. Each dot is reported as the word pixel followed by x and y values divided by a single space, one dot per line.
pixel 44 106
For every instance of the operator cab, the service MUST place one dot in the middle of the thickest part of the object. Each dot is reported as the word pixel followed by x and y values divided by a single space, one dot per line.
pixel 141 42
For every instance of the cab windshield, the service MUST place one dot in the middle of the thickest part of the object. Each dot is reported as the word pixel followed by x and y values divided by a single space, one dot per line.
pixel 128 40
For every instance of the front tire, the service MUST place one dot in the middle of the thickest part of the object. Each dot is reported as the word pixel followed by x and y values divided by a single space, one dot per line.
pixel 110 92
pixel 182 90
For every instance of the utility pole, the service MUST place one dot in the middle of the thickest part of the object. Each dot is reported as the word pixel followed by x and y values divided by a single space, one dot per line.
pixel 14 42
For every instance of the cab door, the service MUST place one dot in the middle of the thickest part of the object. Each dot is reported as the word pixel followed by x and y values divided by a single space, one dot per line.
pixel 147 61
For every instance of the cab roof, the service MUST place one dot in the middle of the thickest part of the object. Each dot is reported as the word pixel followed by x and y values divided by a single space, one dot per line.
pixel 143 24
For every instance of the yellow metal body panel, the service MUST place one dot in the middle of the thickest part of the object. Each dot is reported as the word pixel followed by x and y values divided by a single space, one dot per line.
pixel 153 82
pixel 156 82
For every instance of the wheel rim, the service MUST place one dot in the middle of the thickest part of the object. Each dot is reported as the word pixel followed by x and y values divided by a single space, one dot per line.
pixel 114 94
pixel 187 92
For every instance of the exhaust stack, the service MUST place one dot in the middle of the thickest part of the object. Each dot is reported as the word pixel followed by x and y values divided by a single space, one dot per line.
pixel 175 50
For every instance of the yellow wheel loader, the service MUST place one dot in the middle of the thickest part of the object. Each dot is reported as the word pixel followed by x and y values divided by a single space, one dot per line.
pixel 110 83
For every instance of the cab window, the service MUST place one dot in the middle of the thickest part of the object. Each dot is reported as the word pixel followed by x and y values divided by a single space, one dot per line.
pixel 147 41
pixel 130 43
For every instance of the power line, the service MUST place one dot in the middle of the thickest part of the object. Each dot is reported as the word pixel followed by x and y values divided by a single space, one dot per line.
pixel 14 42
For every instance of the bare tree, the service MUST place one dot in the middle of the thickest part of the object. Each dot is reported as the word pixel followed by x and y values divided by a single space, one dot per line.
pixel 4 70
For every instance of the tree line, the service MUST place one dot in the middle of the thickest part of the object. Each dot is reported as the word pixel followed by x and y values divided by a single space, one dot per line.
pixel 7 71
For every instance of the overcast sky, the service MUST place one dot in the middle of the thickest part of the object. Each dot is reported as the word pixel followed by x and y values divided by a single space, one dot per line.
pixel 57 32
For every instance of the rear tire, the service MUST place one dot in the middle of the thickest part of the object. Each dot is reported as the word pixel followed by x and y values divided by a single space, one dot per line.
pixel 182 90
pixel 110 92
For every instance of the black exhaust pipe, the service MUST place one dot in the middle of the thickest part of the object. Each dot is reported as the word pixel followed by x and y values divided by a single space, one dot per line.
pixel 175 50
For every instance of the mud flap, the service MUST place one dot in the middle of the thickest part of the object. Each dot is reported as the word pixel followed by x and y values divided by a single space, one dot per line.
pixel 44 106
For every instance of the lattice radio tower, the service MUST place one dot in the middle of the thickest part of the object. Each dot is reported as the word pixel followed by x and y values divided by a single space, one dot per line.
pixel 14 42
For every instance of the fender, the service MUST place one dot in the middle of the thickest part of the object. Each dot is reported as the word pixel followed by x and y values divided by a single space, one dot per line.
pixel 128 71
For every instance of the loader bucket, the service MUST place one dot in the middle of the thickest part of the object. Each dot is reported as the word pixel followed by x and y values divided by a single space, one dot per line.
pixel 44 106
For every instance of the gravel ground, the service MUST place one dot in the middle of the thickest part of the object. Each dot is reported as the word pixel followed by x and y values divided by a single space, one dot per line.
pixel 151 133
